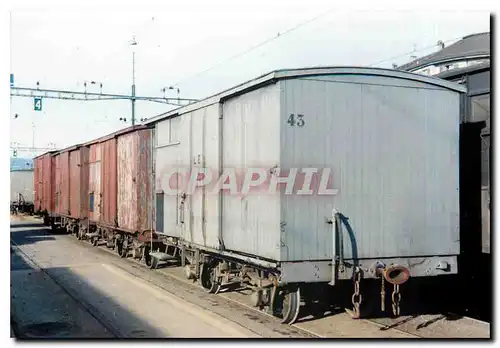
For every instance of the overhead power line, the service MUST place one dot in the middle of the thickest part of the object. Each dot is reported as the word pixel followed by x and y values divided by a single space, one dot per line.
pixel 88 96
pixel 279 35
pixel 412 51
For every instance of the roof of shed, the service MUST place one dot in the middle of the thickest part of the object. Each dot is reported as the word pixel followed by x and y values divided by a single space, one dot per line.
pixel 306 72
pixel 475 45
pixel 469 70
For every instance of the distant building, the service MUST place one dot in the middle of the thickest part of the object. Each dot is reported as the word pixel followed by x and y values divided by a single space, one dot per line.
pixel 17 163
pixel 470 51
pixel 467 62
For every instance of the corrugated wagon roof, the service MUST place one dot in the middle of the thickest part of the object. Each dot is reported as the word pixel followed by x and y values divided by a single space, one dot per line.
pixel 305 72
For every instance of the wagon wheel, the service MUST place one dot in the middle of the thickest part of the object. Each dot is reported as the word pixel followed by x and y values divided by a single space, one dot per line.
pixel 286 303
pixel 208 279
pixel 123 250
pixel 150 261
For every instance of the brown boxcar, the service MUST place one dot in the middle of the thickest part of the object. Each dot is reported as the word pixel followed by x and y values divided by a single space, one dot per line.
pixel 108 199
pixel 44 187
pixel 78 182
pixel 134 201
pixel 62 183
pixel 94 186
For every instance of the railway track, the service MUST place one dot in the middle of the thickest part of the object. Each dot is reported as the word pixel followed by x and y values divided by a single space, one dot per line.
pixel 309 329
pixel 398 325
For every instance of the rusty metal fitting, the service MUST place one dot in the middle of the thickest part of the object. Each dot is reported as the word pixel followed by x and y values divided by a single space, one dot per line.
pixel 377 269
pixel 396 274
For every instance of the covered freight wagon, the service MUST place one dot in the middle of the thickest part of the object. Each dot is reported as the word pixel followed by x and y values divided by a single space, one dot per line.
pixel 70 181
pixel 44 184
pixel 368 164
pixel 21 184
pixel 119 189
pixel 22 190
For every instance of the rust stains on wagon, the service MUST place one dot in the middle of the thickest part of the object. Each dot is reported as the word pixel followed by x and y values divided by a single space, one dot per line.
pixel 62 180
pixel 108 215
pixel 94 189
pixel 62 183
pixel 134 180
pixel 104 180
pixel 44 186
pixel 78 182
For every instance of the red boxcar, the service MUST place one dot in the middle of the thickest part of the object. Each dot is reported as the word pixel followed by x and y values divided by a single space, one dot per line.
pixel 119 180
pixel 78 182
pixel 43 185
pixel 108 212
pixel 62 183
pixel 94 186
pixel 134 196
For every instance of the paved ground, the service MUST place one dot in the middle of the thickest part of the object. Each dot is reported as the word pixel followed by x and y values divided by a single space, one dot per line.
pixel 61 287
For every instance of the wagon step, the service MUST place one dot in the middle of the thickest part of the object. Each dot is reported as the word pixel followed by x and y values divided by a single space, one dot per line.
pixel 162 256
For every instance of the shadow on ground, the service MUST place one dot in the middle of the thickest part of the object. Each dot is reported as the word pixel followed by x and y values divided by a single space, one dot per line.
pixel 22 224
pixel 419 296
pixel 41 309
pixel 23 236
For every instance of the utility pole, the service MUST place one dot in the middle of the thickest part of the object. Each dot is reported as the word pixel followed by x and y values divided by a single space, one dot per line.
pixel 133 43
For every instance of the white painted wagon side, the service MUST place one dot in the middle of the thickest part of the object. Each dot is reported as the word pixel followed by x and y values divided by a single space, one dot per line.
pixel 392 148
pixel 389 138
pixel 21 182
pixel 251 222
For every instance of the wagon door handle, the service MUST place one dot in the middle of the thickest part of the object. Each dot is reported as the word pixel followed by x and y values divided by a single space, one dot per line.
pixel 182 213
pixel 181 217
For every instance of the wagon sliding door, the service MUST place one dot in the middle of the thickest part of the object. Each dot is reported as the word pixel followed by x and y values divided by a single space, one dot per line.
pixel 95 183
pixel 201 208
pixel 196 198
pixel 167 147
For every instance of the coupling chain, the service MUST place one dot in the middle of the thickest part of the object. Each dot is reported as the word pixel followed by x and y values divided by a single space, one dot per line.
pixel 396 299
pixel 357 298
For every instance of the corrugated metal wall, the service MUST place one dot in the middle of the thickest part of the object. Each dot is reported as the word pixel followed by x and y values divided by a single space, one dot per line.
pixel 393 155
pixel 21 182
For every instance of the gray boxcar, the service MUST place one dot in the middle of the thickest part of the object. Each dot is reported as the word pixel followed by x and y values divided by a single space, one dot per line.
pixel 389 140
pixel 21 182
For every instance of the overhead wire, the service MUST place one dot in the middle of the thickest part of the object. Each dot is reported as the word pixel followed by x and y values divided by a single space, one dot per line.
pixel 412 51
pixel 279 35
